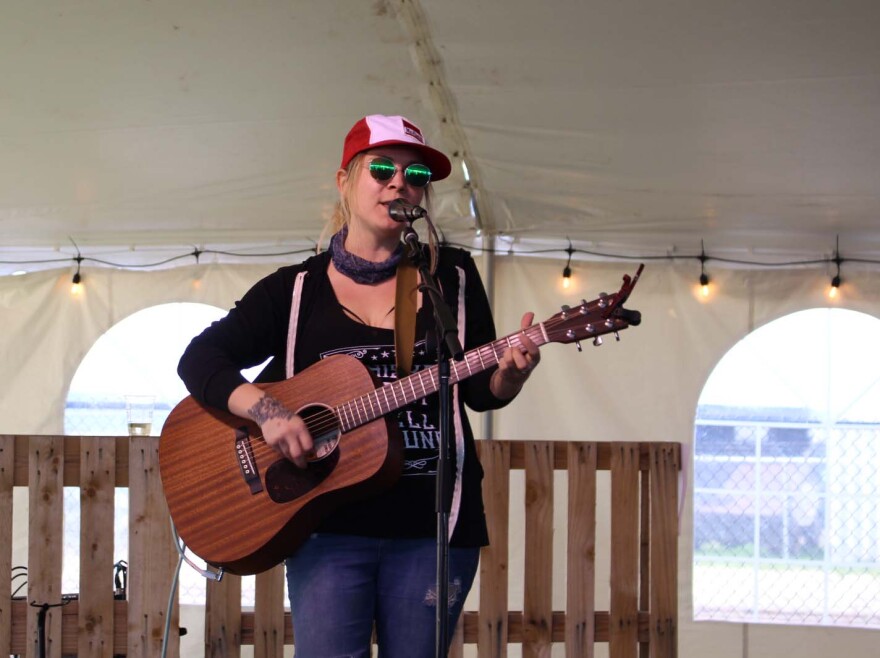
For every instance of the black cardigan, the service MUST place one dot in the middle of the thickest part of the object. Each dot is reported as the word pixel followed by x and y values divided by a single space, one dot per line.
pixel 257 328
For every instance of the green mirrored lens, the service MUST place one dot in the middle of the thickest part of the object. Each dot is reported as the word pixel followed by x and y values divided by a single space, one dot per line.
pixel 417 175
pixel 382 169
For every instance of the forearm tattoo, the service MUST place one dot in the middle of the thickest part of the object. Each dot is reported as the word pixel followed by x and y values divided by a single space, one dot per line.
pixel 267 408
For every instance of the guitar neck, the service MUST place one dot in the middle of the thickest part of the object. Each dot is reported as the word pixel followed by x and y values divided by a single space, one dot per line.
pixel 393 396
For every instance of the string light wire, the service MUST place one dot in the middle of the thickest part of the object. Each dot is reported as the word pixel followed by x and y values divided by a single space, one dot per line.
pixel 570 251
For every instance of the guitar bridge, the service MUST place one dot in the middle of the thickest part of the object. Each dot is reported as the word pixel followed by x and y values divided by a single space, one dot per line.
pixel 246 462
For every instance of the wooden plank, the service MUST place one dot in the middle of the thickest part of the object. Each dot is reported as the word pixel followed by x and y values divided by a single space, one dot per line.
pixel 97 515
pixel 665 466
pixel 21 459
pixel 492 642
pixel 223 618
pixel 517 459
pixel 580 627
pixel 623 634
pixel 269 614
pixel 248 622
pixel 71 467
pixel 644 549
pixel 45 542
pixel 456 646
pixel 69 624
pixel 152 557
pixel 560 460
pixel 601 623
pixel 538 576
pixel 72 456
pixel 7 467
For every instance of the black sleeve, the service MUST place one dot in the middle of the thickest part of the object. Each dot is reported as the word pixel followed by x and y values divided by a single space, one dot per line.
pixel 479 330
pixel 254 330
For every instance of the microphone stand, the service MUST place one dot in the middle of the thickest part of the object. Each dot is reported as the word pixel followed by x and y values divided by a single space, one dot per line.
pixel 448 346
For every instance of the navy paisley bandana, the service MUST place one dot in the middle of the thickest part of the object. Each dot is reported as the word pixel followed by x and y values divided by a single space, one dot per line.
pixel 359 269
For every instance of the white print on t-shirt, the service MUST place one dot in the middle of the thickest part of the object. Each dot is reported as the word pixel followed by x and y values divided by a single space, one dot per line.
pixel 417 421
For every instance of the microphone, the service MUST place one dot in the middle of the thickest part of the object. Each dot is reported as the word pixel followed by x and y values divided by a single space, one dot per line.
pixel 401 211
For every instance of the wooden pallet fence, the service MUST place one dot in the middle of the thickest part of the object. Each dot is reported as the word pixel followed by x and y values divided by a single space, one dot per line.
pixel 92 622
pixel 643 608
pixel 642 619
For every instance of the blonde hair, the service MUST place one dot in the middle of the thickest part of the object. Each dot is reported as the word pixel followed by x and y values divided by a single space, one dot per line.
pixel 342 210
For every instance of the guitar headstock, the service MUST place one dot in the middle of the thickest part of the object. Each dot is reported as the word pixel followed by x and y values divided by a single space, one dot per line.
pixel 603 315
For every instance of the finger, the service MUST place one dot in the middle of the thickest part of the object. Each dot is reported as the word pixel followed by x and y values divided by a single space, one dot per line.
pixel 528 345
pixel 516 364
pixel 517 361
pixel 526 342
pixel 296 454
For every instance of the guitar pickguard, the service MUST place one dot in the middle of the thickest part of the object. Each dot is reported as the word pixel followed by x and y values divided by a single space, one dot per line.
pixel 285 481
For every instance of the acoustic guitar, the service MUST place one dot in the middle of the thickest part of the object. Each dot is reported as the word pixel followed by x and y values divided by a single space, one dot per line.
pixel 242 507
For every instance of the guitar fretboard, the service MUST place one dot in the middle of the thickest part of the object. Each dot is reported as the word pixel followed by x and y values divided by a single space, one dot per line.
pixel 397 394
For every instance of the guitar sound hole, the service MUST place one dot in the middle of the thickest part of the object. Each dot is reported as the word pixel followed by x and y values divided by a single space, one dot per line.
pixel 285 481
pixel 324 427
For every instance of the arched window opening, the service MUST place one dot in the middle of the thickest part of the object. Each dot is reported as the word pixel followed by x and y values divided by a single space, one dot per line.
pixel 787 475
pixel 136 357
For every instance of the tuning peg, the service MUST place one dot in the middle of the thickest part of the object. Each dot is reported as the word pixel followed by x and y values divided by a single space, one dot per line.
pixel 597 341
pixel 578 344
pixel 603 299
pixel 565 309
pixel 617 336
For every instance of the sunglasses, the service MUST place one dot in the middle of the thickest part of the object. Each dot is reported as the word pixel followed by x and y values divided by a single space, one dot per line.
pixel 383 170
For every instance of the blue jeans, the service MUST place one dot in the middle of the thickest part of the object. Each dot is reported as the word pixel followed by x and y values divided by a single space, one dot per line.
pixel 340 584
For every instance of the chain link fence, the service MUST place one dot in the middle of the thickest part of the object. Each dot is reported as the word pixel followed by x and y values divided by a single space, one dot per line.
pixel 786 520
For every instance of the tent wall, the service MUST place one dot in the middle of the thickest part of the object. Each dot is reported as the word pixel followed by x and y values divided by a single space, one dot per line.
pixel 645 387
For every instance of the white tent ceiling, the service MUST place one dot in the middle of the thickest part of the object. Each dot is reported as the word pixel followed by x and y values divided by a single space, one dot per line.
pixel 140 130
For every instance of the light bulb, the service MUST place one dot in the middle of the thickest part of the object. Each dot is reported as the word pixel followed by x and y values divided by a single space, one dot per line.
pixel 566 277
pixel 76 286
pixel 704 284
pixel 835 284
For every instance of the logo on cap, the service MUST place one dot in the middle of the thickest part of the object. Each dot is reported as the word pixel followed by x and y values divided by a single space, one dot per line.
pixel 412 131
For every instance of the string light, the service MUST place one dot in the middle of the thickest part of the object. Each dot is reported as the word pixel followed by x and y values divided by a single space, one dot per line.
pixel 76 286
pixel 570 250
pixel 566 271
pixel 835 285
pixel 835 280
pixel 704 278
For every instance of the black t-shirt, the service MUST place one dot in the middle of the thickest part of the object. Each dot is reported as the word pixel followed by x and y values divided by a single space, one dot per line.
pixel 407 509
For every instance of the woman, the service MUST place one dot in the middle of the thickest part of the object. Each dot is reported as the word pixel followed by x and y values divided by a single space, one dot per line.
pixel 373 560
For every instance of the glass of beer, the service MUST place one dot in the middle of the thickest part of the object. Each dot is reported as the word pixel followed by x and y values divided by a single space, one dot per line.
pixel 140 414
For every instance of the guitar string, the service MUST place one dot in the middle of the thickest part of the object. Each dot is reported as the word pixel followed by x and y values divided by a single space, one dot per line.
pixel 328 420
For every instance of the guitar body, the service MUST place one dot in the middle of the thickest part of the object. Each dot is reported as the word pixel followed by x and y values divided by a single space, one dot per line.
pixel 240 505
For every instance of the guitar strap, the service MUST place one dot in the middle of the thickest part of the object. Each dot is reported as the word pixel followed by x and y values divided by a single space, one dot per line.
pixel 405 315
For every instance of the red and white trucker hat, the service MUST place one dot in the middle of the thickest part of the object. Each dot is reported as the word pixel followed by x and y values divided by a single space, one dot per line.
pixel 381 130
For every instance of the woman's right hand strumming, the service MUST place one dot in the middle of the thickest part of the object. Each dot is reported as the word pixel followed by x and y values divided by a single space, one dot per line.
pixel 282 429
